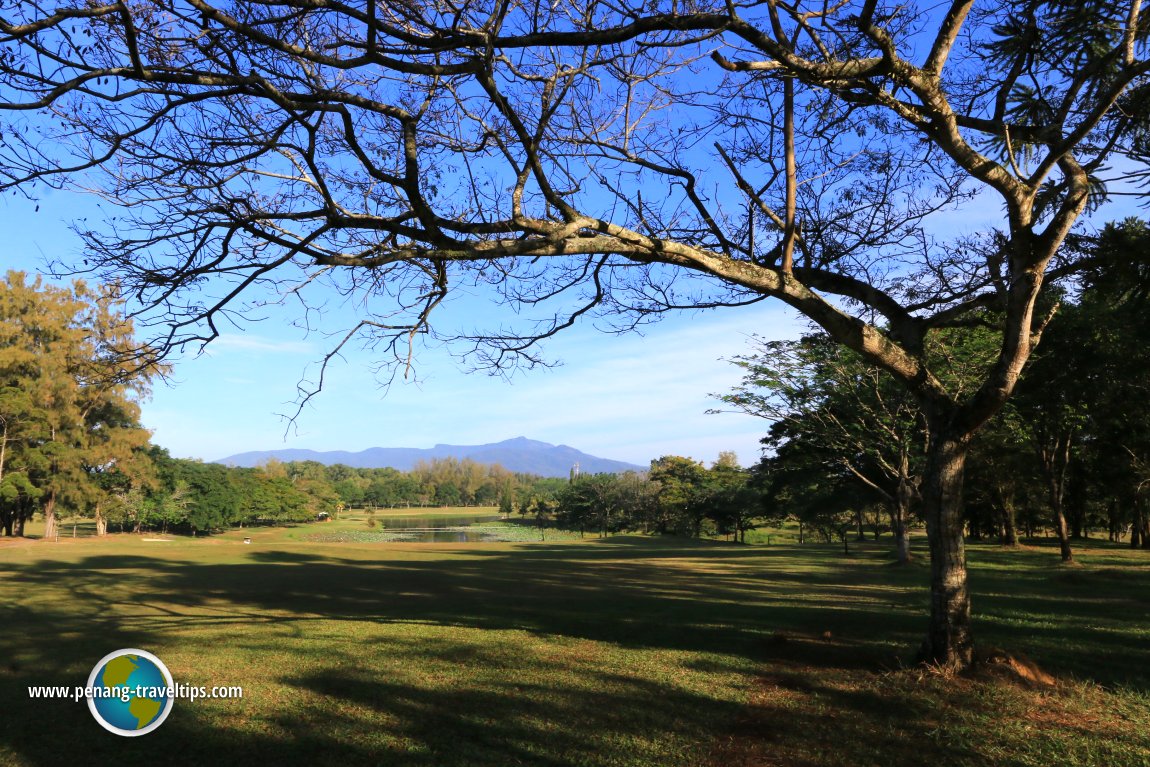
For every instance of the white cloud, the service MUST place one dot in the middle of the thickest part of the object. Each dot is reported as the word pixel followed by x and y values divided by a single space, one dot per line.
pixel 627 397
pixel 248 342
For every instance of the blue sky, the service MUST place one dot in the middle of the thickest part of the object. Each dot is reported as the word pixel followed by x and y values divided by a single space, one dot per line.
pixel 631 397
pixel 627 397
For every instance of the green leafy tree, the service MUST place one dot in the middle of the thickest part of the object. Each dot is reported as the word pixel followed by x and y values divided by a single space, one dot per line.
pixel 855 413
pixel 1085 396
pixel 594 502
pixel 215 498
pixel 803 478
pixel 70 435
pixel 169 509
pixel 1055 409
pixel 352 489
pixel 683 494
pixel 1002 481
pixel 507 504
pixel 734 504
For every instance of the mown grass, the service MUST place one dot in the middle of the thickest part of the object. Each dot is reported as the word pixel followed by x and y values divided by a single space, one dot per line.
pixel 620 651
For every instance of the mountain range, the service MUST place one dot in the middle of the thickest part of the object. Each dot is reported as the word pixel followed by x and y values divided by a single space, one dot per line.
pixel 522 455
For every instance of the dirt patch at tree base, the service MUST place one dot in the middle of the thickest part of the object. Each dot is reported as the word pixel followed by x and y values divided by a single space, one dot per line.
pixel 824 702
pixel 998 664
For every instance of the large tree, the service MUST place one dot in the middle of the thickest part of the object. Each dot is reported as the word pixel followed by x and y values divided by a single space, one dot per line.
pixel 853 413
pixel 625 157
pixel 69 413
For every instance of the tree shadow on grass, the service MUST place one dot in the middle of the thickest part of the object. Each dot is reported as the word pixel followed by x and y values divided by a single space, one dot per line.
pixel 362 719
pixel 72 611
pixel 726 604
pixel 1087 620
pixel 623 598
pixel 520 722
pixel 809 716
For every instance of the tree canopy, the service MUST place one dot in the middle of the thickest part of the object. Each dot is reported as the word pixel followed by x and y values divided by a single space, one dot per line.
pixel 1067 455
pixel 69 412
pixel 846 420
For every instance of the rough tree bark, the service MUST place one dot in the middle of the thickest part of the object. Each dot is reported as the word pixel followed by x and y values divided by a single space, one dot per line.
pixel 949 641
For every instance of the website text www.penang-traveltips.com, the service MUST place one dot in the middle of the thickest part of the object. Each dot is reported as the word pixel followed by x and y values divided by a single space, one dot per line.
pixel 125 693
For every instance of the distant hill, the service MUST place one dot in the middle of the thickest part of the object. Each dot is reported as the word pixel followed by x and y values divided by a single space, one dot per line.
pixel 527 456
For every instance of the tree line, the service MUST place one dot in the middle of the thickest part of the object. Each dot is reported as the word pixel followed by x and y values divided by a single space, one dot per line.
pixel 72 446
pixel 1068 456
pixel 678 496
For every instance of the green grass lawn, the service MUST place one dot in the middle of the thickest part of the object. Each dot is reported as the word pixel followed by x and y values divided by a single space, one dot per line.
pixel 627 650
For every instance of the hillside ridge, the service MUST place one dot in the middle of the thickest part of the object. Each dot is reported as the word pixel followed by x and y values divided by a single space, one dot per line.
pixel 519 454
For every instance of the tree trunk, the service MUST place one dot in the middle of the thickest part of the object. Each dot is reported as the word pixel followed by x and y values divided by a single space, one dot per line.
pixel 1009 531
pixel 905 495
pixel 1142 522
pixel 949 641
pixel 1055 460
pixel 50 526
pixel 902 544
pixel 1009 527
pixel 900 517
pixel 101 522
pixel 1077 520
pixel 1063 531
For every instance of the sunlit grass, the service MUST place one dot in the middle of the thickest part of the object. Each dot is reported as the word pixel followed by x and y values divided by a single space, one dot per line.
pixel 627 650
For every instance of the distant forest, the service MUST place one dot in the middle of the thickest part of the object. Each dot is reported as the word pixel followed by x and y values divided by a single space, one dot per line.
pixel 677 496
pixel 845 446
pixel 190 494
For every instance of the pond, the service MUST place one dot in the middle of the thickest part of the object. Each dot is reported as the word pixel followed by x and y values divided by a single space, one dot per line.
pixel 485 528
pixel 444 529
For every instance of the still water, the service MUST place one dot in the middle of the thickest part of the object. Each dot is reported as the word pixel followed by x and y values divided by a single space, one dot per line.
pixel 442 529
